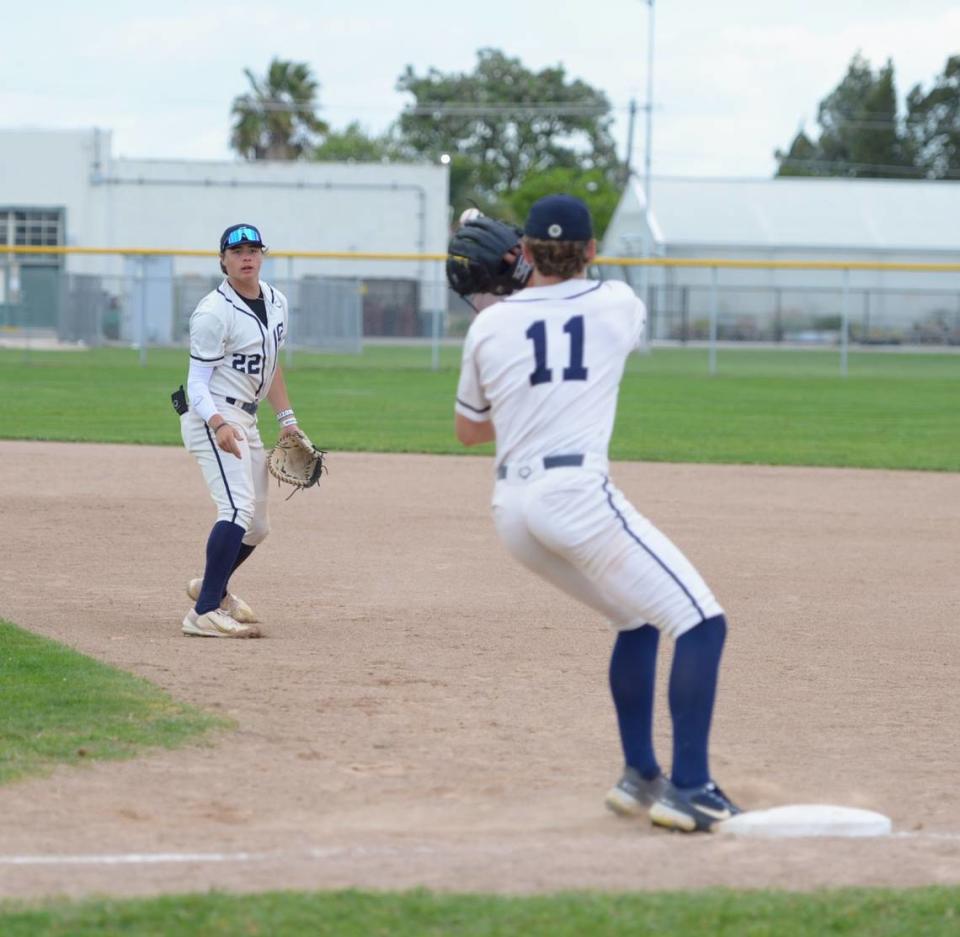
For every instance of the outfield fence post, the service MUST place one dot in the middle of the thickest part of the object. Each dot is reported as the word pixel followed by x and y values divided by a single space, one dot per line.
pixel 714 291
pixel 9 318
pixel 18 310
pixel 143 310
pixel 844 320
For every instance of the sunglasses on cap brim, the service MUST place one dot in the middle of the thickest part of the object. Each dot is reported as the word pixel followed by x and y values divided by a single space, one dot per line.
pixel 242 235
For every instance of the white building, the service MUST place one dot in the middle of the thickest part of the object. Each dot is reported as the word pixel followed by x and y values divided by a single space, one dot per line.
pixel 67 188
pixel 819 219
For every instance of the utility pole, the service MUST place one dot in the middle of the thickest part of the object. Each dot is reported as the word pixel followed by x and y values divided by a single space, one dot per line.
pixel 648 143
pixel 628 162
pixel 647 240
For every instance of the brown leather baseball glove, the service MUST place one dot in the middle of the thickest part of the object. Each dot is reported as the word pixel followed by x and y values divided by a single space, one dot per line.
pixel 296 461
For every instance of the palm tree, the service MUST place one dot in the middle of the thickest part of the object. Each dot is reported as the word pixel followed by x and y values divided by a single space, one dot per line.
pixel 277 118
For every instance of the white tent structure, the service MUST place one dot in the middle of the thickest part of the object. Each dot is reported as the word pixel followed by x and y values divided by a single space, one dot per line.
pixel 795 219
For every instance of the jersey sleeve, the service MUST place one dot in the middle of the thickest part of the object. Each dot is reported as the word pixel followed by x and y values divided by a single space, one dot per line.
pixel 634 311
pixel 281 300
pixel 207 336
pixel 471 400
pixel 638 322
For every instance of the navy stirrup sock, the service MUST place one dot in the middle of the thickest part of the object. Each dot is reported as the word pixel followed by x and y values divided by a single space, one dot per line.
pixel 223 547
pixel 633 671
pixel 693 689
pixel 244 552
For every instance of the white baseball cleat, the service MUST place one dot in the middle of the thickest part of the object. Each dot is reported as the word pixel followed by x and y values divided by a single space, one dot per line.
pixel 216 624
pixel 234 606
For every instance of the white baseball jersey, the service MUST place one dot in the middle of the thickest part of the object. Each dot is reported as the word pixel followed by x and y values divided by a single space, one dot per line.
pixel 545 365
pixel 227 335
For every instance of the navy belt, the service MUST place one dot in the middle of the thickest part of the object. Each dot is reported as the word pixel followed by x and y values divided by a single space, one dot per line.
pixel 249 407
pixel 549 462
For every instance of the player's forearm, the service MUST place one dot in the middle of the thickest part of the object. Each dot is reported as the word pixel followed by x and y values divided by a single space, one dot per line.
pixel 473 433
pixel 280 401
pixel 277 395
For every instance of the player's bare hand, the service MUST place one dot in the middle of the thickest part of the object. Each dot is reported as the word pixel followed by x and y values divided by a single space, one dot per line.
pixel 228 437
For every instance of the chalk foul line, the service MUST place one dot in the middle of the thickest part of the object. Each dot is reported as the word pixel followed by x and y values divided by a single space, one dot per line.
pixel 329 852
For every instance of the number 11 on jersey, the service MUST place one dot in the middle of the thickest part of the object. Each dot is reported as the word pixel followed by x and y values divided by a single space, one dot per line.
pixel 575 371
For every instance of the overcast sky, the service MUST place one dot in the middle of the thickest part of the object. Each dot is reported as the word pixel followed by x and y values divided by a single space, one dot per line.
pixel 732 80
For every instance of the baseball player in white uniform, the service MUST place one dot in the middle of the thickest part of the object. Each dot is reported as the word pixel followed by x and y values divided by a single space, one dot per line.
pixel 540 374
pixel 236 333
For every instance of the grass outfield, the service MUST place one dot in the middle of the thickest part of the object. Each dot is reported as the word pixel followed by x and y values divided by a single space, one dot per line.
pixel 880 913
pixel 764 406
pixel 60 707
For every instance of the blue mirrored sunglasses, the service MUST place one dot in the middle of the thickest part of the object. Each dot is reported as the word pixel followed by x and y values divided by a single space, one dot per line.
pixel 241 235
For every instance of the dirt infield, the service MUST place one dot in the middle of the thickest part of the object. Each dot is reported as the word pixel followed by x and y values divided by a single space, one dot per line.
pixel 425 712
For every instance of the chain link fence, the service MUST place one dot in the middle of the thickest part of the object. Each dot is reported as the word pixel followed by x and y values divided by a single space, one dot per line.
pixel 148 303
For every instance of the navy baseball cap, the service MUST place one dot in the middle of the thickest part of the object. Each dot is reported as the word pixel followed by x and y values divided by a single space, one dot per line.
pixel 559 218
pixel 238 234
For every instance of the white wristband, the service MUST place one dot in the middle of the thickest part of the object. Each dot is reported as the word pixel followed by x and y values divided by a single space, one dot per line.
pixel 289 421
pixel 283 414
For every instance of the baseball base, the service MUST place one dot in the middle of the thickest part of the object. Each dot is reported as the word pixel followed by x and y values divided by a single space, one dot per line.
pixel 807 820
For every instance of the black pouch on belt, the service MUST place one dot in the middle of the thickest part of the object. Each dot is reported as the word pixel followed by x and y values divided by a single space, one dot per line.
pixel 179 399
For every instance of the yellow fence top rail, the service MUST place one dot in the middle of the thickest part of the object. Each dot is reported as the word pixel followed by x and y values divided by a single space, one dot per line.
pixel 700 262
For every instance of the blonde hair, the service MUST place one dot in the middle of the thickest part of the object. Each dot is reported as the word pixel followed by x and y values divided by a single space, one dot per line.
pixel 564 259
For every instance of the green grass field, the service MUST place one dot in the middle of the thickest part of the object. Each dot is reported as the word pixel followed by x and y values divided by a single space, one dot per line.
pixel 774 407
pixel 60 707
pixel 927 912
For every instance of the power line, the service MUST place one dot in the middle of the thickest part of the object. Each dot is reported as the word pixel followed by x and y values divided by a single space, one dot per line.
pixel 494 110
pixel 471 109
pixel 447 108
pixel 914 172
pixel 843 123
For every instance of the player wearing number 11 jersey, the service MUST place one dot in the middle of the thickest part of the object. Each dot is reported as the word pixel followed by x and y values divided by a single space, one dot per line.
pixel 540 374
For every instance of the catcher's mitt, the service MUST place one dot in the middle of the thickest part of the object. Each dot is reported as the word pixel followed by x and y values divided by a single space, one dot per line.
pixel 296 461
pixel 475 262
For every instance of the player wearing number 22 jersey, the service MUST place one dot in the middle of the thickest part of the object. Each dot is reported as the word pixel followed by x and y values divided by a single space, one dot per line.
pixel 541 372
pixel 236 333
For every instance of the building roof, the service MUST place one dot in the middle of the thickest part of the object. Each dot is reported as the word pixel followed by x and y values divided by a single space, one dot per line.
pixel 810 213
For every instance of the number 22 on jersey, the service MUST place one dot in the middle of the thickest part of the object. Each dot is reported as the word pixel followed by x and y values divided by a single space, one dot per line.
pixel 575 371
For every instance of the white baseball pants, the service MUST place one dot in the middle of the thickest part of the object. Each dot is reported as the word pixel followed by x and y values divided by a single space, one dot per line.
pixel 574 528
pixel 238 486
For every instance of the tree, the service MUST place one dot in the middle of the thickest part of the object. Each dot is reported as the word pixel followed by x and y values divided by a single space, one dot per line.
pixel 800 159
pixel 503 122
pixel 600 194
pixel 277 118
pixel 933 124
pixel 354 145
pixel 860 133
